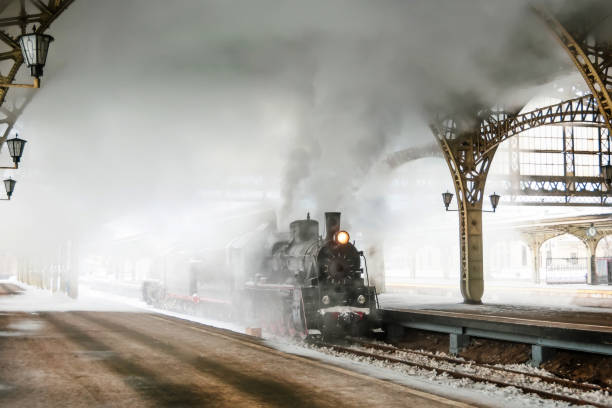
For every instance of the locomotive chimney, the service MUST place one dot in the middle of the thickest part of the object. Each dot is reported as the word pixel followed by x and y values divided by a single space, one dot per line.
pixel 332 224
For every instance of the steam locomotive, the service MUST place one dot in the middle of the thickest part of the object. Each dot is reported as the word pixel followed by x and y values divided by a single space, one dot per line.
pixel 310 285
pixel 294 283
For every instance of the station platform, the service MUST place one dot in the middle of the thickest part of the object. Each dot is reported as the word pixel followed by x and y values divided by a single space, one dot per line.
pixel 62 352
pixel 551 326
pixel 503 292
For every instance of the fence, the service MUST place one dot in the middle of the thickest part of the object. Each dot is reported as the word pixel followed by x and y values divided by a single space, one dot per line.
pixel 604 271
pixel 566 270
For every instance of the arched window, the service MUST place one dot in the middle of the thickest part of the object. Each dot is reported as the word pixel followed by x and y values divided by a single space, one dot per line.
pixel 564 259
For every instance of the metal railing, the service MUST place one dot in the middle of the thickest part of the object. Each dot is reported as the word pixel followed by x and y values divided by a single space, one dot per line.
pixel 566 270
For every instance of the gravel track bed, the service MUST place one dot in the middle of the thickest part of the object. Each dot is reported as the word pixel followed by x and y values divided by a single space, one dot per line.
pixel 514 375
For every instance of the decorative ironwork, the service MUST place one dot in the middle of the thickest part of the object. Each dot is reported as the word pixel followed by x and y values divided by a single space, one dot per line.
pixel 469 143
pixel 583 110
pixel 591 55
pixel 554 190
pixel 15 17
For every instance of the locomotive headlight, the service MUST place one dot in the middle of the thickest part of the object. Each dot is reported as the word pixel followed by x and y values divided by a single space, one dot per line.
pixel 342 237
pixel 325 300
pixel 361 299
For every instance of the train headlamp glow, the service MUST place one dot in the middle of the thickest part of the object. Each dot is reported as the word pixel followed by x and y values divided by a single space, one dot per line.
pixel 361 299
pixel 325 300
pixel 342 237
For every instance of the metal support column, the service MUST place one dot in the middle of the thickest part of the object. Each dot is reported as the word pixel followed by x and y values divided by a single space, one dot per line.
pixel 472 282
pixel 592 264
pixel 469 167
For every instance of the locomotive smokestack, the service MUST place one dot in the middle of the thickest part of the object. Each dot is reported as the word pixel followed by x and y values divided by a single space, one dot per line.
pixel 332 224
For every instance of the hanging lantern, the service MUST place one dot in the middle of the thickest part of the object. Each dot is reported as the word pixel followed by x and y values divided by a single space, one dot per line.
pixel 494 200
pixel 34 47
pixel 447 198
pixel 15 147
pixel 9 185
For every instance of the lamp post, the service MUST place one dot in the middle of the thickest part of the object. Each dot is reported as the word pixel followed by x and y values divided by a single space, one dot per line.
pixel 447 198
pixel 34 49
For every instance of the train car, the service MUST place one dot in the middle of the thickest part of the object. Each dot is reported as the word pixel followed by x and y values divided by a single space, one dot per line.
pixel 295 283
pixel 195 283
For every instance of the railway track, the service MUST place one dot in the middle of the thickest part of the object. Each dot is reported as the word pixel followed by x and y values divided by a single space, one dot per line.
pixel 407 357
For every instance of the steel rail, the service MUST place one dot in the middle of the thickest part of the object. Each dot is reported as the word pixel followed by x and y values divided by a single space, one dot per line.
pixel 560 381
pixel 461 375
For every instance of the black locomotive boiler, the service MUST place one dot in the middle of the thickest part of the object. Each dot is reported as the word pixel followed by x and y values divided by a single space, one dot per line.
pixel 314 285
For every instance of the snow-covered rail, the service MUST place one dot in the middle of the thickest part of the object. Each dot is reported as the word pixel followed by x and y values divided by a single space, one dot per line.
pixel 529 383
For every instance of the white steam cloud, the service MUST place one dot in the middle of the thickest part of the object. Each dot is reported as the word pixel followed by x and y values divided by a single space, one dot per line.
pixel 147 107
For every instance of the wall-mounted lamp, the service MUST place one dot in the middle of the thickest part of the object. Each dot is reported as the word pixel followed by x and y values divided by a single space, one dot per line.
pixel 15 147
pixel 9 185
pixel 34 48
pixel 447 198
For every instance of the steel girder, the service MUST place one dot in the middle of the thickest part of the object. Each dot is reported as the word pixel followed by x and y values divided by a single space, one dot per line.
pixel 583 110
pixel 15 15
pixel 591 55
pixel 469 152
pixel 469 143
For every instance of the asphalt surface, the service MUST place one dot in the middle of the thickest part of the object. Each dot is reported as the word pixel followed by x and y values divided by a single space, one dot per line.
pixel 125 359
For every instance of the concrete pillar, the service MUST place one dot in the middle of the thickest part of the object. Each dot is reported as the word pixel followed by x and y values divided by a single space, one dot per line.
pixel 534 247
pixel 458 342
pixel 592 272
pixel 541 354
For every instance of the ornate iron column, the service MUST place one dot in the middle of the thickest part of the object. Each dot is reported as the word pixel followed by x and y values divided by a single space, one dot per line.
pixel 469 163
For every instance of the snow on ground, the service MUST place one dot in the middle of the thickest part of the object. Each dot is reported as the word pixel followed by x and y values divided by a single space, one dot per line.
pixel 409 300
pixel 33 299
pixel 424 380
